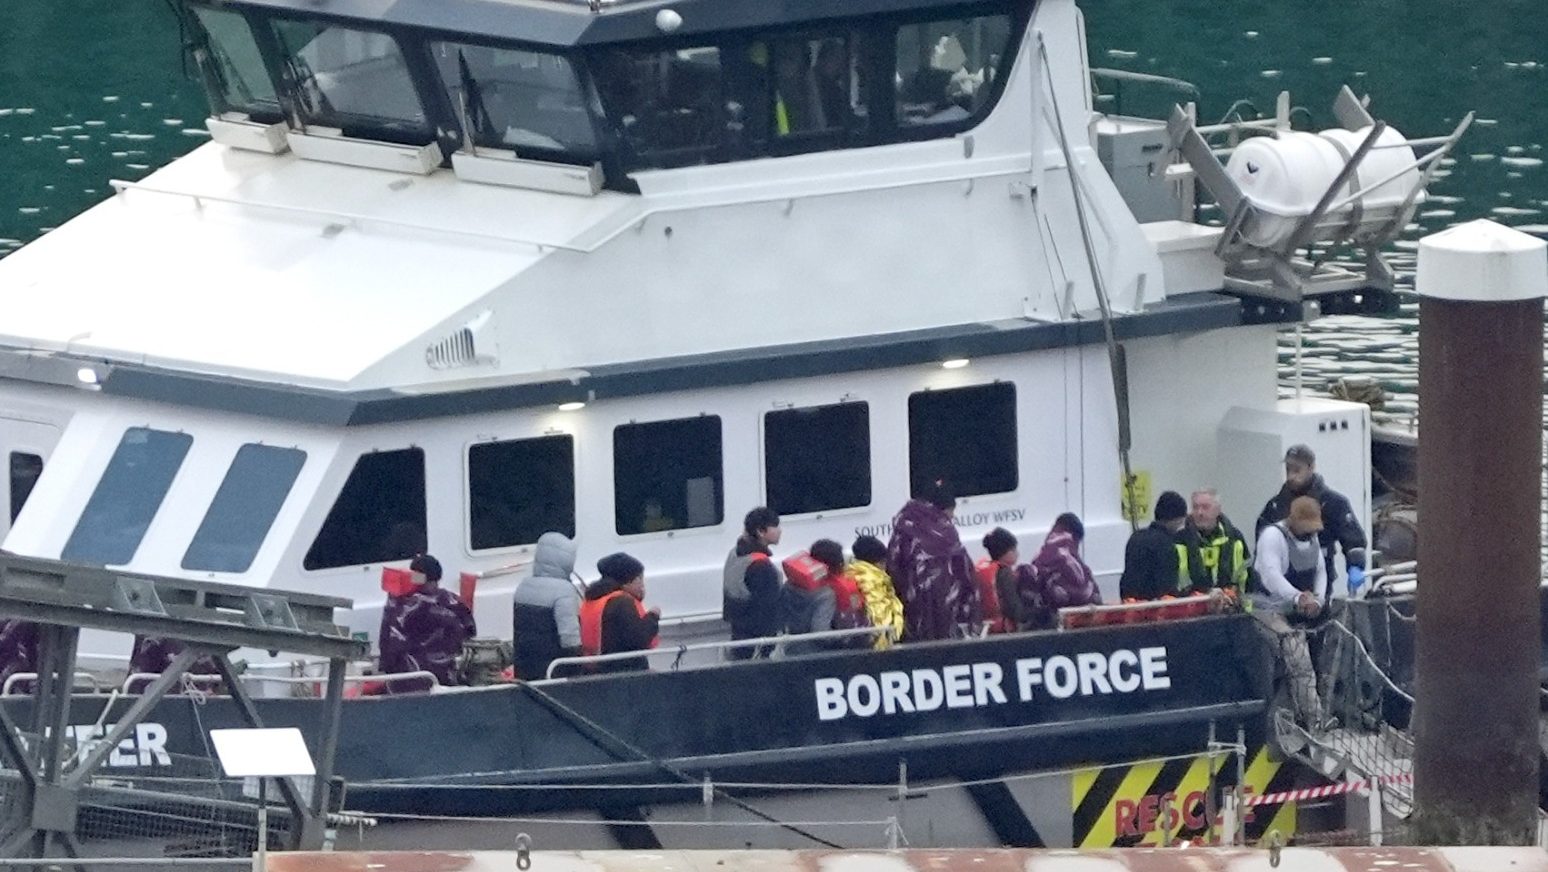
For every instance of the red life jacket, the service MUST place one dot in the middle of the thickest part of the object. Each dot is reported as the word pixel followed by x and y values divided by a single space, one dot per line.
pixel 846 592
pixel 591 621
pixel 989 595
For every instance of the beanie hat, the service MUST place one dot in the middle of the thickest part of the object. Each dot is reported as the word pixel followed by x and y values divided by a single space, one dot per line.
pixel 870 549
pixel 427 566
pixel 999 541
pixel 1170 506
pixel 620 567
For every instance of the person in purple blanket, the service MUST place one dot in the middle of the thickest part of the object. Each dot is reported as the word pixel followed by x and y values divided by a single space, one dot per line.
pixel 931 570
pixel 1062 579
pixel 424 630
pixel 151 656
pixel 18 648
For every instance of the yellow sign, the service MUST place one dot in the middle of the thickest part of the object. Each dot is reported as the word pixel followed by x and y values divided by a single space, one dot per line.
pixel 1136 497
pixel 1128 805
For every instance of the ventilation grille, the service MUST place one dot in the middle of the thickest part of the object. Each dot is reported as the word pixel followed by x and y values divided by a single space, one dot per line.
pixel 464 347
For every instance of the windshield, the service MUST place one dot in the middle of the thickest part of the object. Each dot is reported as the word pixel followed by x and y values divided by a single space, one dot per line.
pixel 354 80
pixel 514 99
pixel 235 67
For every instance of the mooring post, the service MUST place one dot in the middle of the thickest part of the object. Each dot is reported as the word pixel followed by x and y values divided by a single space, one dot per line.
pixel 1481 288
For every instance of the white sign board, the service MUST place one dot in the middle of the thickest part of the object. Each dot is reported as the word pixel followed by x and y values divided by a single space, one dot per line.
pixel 268 753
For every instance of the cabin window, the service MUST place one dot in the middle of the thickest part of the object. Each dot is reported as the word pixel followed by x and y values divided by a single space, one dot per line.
pixel 965 437
pixel 25 469
pixel 518 100
pixel 235 66
pixel 244 508
pixel 817 459
pixel 947 69
pixel 354 80
pixel 667 107
pixel 519 490
pixel 379 516
pixel 796 94
pixel 667 475
pixel 120 509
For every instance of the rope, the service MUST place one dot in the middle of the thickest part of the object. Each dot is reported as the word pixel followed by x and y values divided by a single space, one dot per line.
pixel 564 712
pixel 890 788
pixel 1364 652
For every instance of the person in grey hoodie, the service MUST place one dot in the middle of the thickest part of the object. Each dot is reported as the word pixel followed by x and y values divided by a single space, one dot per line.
pixel 546 621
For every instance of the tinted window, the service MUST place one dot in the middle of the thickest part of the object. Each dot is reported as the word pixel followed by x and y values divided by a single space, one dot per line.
pixel 521 100
pixel 25 469
pixel 965 437
pixel 519 490
pixel 379 516
pixel 817 459
pixel 244 508
pixel 235 65
pixel 667 476
pixel 947 69
pixel 354 80
pixel 667 107
pixel 126 499
pixel 800 93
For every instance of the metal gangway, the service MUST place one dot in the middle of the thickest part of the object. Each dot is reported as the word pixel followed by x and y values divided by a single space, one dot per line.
pixel 211 620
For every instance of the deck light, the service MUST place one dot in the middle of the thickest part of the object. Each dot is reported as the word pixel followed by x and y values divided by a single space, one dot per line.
pixel 954 363
pixel 572 407
pixel 86 376
pixel 668 21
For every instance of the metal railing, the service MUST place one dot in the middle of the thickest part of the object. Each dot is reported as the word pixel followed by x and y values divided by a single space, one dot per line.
pixel 82 680
pixel 775 642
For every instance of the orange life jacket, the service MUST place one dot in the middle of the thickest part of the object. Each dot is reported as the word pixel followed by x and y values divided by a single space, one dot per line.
pixel 847 591
pixel 989 595
pixel 591 621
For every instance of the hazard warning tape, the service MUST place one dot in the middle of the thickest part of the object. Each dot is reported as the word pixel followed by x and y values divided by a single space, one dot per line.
pixel 1327 790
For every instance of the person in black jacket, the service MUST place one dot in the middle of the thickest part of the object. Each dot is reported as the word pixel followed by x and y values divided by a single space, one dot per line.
pixel 1340 527
pixel 626 624
pixel 1152 561
pixel 752 581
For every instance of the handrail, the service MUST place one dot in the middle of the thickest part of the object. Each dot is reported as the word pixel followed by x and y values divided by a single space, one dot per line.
pixel 385 678
pixel 18 677
pixel 120 185
pixel 680 650
pixel 187 679
pixel 1147 78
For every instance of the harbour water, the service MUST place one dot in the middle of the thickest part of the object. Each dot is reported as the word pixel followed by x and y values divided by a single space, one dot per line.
pixel 93 91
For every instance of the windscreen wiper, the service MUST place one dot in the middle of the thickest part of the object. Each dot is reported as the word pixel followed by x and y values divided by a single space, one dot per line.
pixel 475 116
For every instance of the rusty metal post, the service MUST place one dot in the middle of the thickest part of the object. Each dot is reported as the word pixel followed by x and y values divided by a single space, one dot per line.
pixel 1481 288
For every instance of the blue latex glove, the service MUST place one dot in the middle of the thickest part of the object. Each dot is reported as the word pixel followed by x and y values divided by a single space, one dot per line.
pixel 1356 578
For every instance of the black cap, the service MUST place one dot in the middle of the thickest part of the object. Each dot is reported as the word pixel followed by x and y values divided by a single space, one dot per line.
pixel 620 567
pixel 1171 506
pixel 427 566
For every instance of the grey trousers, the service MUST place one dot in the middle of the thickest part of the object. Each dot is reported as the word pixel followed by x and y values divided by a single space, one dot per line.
pixel 1289 645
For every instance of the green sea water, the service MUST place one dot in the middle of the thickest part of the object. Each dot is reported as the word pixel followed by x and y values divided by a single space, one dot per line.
pixel 94 90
